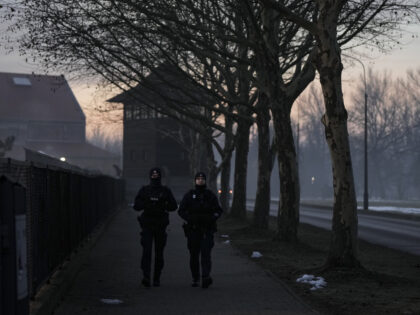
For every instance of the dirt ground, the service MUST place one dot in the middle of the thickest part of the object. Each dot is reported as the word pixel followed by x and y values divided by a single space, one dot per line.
pixel 388 283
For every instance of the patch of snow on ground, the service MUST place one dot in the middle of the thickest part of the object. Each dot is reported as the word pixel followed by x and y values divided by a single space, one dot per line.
pixel 111 301
pixel 226 242
pixel 394 209
pixel 256 255
pixel 316 282
pixel 224 235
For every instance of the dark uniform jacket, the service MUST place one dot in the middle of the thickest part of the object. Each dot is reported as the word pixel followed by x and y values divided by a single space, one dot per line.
pixel 155 202
pixel 200 208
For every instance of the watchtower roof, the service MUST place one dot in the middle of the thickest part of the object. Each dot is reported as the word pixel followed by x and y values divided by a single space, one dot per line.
pixel 166 83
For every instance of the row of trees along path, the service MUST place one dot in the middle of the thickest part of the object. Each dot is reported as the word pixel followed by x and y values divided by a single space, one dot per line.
pixel 251 59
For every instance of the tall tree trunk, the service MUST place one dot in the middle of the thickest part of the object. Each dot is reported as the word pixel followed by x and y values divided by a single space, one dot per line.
pixel 238 209
pixel 288 209
pixel 344 247
pixel 212 169
pixel 225 183
pixel 194 153
pixel 226 166
pixel 241 164
pixel 271 76
pixel 263 198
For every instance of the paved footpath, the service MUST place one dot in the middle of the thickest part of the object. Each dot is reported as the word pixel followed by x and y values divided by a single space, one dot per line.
pixel 112 272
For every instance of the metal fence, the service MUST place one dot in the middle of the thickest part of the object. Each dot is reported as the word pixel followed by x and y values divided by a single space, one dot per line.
pixel 13 253
pixel 62 208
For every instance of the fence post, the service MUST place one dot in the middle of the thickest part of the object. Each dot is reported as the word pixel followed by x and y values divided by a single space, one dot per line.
pixel 14 276
pixel 21 250
pixel 8 248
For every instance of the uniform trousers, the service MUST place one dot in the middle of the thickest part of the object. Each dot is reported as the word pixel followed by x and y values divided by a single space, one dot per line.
pixel 150 236
pixel 200 244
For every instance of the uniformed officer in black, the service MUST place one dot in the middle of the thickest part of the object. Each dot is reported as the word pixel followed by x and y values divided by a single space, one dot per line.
pixel 200 209
pixel 155 201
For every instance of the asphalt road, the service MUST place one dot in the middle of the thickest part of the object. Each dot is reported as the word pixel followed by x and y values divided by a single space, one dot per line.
pixel 401 234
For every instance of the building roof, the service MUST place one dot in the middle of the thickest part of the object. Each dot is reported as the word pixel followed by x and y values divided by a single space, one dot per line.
pixel 165 83
pixel 57 150
pixel 81 150
pixel 27 97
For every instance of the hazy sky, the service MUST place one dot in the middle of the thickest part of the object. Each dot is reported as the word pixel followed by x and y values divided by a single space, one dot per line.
pixel 396 62
pixel 404 57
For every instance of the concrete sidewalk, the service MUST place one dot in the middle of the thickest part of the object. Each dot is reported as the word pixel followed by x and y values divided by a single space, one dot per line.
pixel 112 272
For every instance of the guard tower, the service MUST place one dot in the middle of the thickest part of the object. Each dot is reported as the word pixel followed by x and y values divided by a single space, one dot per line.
pixel 150 137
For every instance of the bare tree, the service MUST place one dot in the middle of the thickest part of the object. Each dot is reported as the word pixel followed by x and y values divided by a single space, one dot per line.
pixel 412 87
pixel 123 41
pixel 107 38
pixel 393 115
pixel 247 26
pixel 335 23
pixel 392 122
pixel 184 31
pixel 315 167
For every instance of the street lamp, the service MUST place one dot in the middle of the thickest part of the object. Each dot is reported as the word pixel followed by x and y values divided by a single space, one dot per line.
pixel 365 193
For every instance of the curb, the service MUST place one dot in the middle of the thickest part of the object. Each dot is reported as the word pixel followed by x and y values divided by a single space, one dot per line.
pixel 50 295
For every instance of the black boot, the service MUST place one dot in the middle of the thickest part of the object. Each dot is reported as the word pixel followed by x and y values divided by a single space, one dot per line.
pixel 206 282
pixel 156 279
pixel 146 282
pixel 195 283
pixel 156 282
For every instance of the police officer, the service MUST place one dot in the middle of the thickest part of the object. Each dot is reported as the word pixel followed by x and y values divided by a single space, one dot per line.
pixel 200 209
pixel 155 201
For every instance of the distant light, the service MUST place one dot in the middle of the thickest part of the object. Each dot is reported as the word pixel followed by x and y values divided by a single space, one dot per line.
pixel 21 81
pixel 63 159
pixel 313 179
pixel 219 191
pixel 230 191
